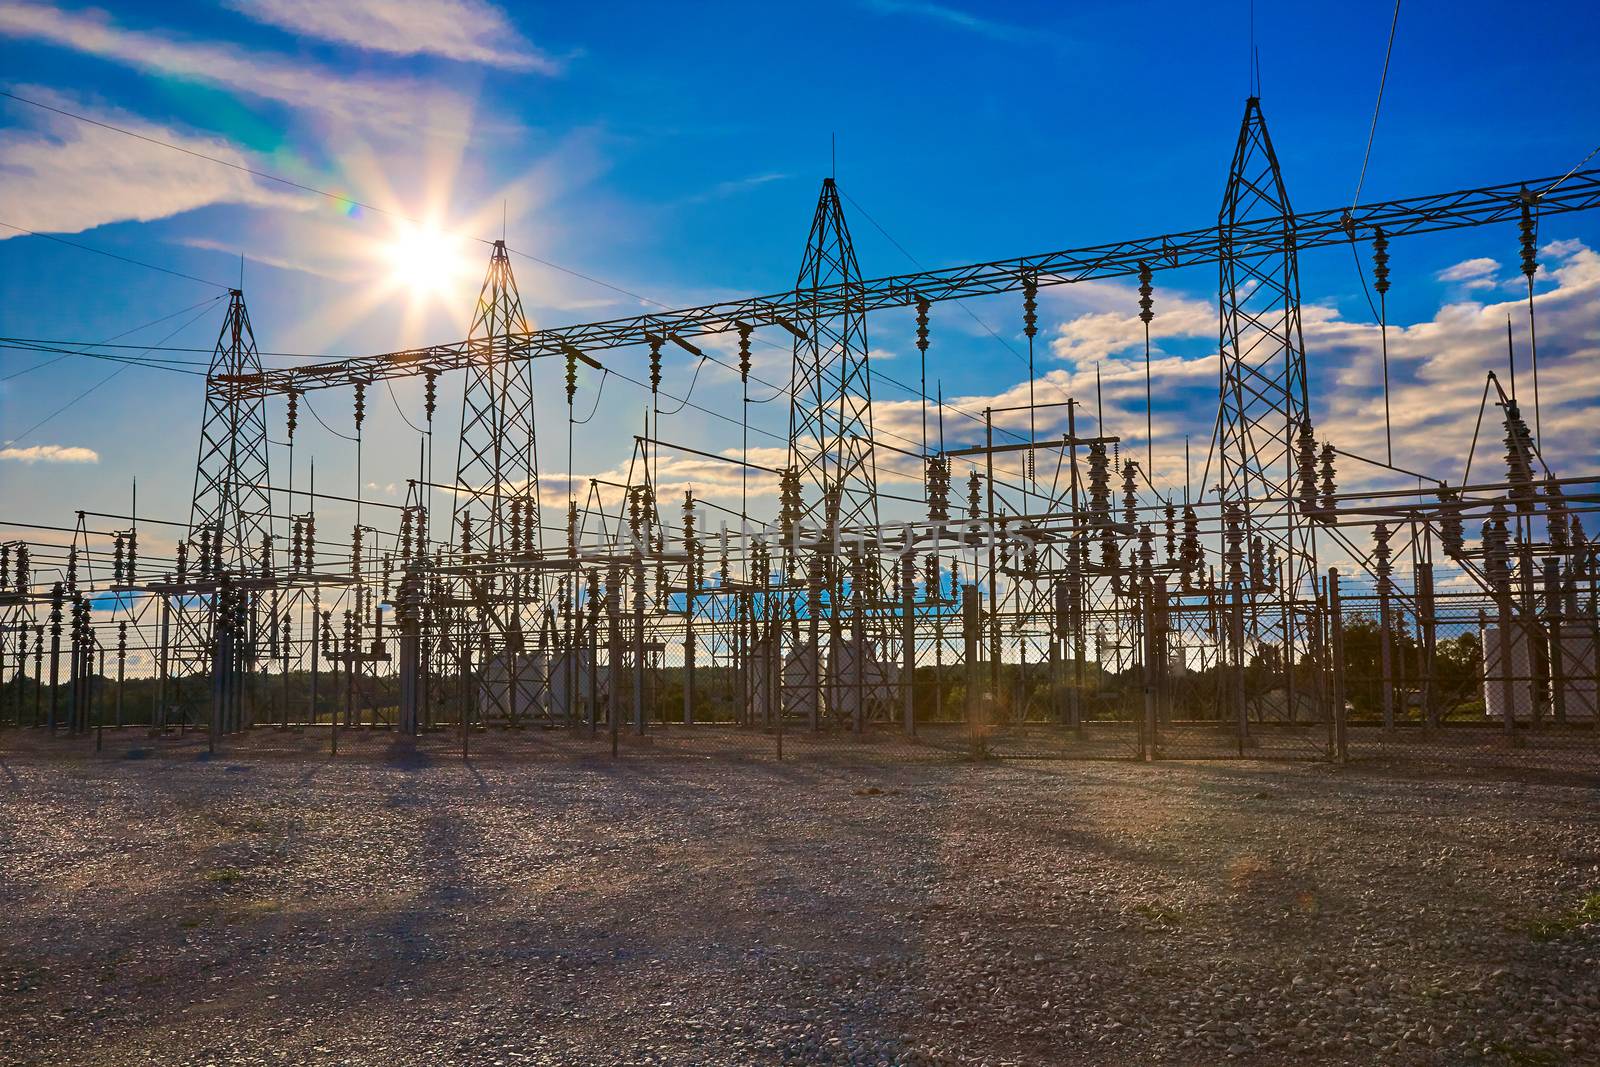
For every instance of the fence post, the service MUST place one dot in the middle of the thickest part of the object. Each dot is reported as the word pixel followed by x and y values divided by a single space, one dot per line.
pixel 688 659
pixel 1341 748
pixel 1507 656
pixel 638 645
pixel 1386 651
pixel 971 614
pixel 1558 673
pixel 908 641
pixel 1429 635
pixel 1147 732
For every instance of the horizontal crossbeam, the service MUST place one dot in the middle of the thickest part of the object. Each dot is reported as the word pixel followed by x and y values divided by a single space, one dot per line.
pixel 1418 214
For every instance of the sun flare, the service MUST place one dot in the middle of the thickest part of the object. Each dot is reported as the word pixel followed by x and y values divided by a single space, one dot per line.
pixel 427 263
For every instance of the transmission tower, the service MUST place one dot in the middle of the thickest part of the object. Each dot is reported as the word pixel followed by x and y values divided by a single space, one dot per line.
pixel 1263 383
pixel 231 499
pixel 830 413
pixel 497 456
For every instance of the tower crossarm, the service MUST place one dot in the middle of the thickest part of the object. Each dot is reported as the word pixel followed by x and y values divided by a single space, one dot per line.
pixel 1579 191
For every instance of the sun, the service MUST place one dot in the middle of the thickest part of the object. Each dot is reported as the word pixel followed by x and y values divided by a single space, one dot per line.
pixel 426 262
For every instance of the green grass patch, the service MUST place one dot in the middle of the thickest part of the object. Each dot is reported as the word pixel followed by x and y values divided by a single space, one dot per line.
pixel 225 875
pixel 1552 927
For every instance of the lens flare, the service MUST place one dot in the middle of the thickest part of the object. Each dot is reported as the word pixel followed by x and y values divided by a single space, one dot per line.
pixel 426 262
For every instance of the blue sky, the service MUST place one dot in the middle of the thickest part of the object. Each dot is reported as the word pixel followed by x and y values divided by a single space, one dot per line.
pixel 677 154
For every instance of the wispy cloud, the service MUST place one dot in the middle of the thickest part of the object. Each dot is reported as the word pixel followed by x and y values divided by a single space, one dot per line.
pixel 50 454
pixel 734 187
pixel 394 104
pixel 266 259
pixel 66 177
pixel 467 30
pixel 953 17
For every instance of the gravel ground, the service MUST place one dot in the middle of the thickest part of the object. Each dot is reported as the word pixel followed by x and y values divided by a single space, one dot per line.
pixel 674 910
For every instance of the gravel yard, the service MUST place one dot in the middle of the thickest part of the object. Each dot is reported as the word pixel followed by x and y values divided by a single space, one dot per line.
pixel 679 910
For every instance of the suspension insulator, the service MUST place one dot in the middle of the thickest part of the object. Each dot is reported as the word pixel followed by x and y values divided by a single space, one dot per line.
pixel 205 552
pixel 922 324
pixel 23 576
pixel 1258 563
pixel 355 551
pixel 1130 492
pixel 361 404
pixel 1111 559
pixel 116 562
pixel 1330 486
pixel 1191 554
pixel 430 393
pixel 636 514
pixel 937 480
pixel 1030 306
pixel 1170 524
pixel 1496 545
pixel 294 412
pixel 1525 231
pixel 655 366
pixel 516 526
pixel 974 495
pixel 760 563
pixel 1380 262
pixel 572 376
pixel 1099 485
pixel 72 569
pixel 1146 304
pixel 405 536
pixel 1233 543
pixel 789 499
pixel 1450 527
pixel 744 353
pixel 183 561
pixel 266 556
pixel 1556 515
pixel 1306 468
pixel 466 534
pixel 1519 458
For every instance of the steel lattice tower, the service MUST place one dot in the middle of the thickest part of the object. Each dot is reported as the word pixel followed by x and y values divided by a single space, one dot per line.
pixel 1263 375
pixel 830 411
pixel 230 479
pixel 497 455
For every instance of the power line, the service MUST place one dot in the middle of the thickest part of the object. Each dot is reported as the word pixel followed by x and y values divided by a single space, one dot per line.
pixel 109 255
pixel 21 436
pixel 1383 80
pixel 107 343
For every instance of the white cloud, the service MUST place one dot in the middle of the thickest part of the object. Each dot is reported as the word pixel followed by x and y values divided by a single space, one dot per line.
pixel 51 454
pixel 1470 269
pixel 1472 273
pixel 397 105
pixel 70 176
pixel 468 30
